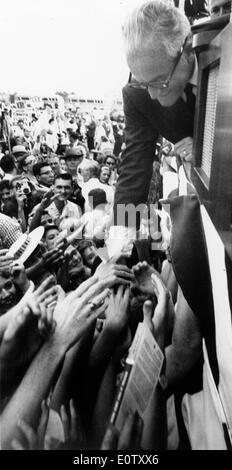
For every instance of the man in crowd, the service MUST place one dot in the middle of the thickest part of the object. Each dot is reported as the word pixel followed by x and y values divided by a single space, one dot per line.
pixel 19 151
pixel 5 192
pixel 54 163
pixel 44 174
pixel 51 233
pixel 88 251
pixel 105 174
pixel 110 161
pixel 73 157
pixel 57 203
pixel 19 130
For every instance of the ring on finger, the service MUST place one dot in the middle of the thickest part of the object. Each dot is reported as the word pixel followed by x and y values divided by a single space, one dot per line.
pixel 92 305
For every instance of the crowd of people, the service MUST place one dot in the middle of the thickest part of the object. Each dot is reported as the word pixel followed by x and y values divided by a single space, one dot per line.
pixel 70 310
pixel 58 171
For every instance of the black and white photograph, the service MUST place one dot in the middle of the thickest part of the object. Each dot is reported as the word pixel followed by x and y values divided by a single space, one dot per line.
pixel 115 231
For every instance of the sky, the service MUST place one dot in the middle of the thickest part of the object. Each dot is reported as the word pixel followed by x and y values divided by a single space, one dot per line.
pixel 57 45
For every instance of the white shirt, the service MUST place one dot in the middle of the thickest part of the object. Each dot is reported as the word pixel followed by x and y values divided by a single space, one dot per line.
pixel 94 183
pixel 70 210
pixel 97 221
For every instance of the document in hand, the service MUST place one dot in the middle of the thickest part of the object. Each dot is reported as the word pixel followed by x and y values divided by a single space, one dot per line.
pixel 140 377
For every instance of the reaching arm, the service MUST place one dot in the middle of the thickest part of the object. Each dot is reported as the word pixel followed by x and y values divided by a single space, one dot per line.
pixel 25 403
pixel 104 404
pixel 70 377
pixel 36 220
pixel 186 347
pixel 74 316
pixel 117 318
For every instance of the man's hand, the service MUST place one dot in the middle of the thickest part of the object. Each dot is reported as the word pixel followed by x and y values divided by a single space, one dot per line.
pixel 20 277
pixel 113 274
pixel 142 272
pixel 117 311
pixel 184 148
pixel 166 228
pixel 78 312
pixel 158 320
pixel 34 312
pixel 53 258
pixel 72 429
pixel 48 198
pixel 161 314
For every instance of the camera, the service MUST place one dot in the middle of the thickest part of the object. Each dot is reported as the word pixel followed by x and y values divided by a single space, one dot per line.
pixel 23 186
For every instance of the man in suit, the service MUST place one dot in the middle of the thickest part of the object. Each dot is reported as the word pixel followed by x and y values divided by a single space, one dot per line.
pixel 160 96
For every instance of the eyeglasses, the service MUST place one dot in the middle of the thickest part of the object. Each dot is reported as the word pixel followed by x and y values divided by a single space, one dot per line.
pixel 75 157
pixel 45 173
pixel 159 84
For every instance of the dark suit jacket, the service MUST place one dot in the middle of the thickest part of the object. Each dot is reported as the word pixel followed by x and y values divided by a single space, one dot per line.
pixel 145 119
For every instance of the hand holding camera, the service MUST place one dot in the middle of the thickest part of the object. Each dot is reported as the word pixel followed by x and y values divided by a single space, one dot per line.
pixel 21 198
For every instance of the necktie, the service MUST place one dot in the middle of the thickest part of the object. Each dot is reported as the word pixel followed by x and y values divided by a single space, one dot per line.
pixel 191 98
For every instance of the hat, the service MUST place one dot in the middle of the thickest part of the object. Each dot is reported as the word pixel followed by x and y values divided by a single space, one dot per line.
pixel 23 247
pixel 18 149
pixel 73 152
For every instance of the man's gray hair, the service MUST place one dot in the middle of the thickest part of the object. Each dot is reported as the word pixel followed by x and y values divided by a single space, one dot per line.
pixel 152 24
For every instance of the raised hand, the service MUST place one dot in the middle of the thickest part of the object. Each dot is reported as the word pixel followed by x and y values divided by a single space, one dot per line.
pixel 35 312
pixel 161 314
pixel 11 345
pixel 113 274
pixel 166 228
pixel 78 311
pixel 20 277
pixel 33 299
pixel 142 272
pixel 69 422
pixel 53 258
pixel 47 199
pixel 158 319
pixel 117 315
pixel 72 429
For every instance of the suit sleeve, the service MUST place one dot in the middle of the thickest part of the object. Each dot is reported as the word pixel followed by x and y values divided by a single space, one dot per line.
pixel 137 159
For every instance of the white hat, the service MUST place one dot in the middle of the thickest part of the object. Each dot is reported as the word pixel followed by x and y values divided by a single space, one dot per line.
pixel 18 148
